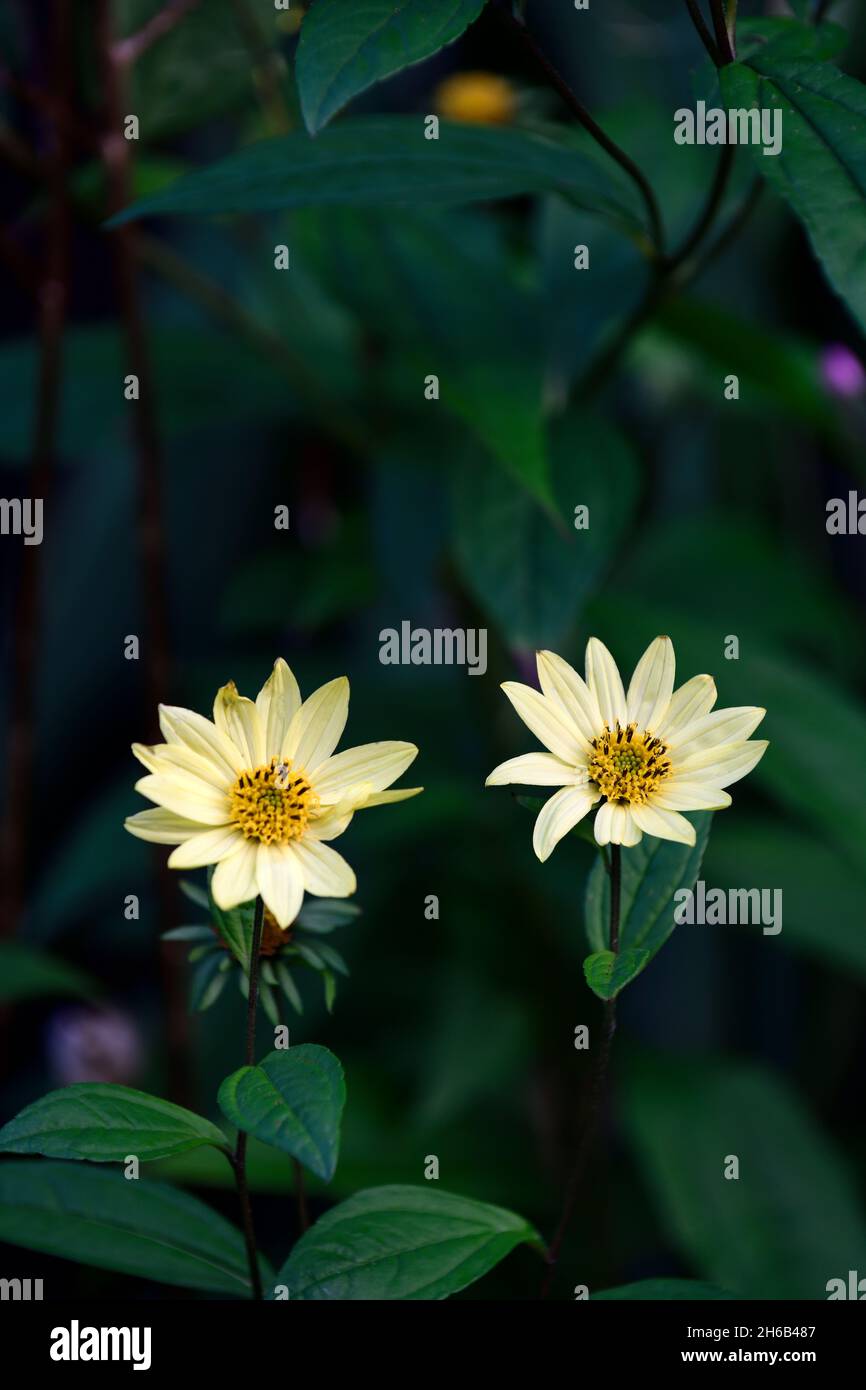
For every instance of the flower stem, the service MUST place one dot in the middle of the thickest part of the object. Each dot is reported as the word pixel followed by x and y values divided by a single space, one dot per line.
pixel 703 32
pixel 577 108
pixel 240 1154
pixel 597 1085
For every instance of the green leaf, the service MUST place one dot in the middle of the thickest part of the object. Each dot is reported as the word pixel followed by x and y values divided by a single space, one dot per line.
pixel 345 47
pixel 789 1222
pixel 821 169
pixel 97 1217
pixel 292 1100
pixel 195 893
pixel 776 370
pixel 208 981
pixel 235 926
pixel 402 1243
pixel 532 574
pixel 27 973
pixel 662 1290
pixel 288 986
pixel 652 871
pixel 606 973
pixel 788 39
pixel 385 160
pixel 746 851
pixel 329 984
pixel 105 1124
pixel 324 914
pixel 202 934
pixel 310 955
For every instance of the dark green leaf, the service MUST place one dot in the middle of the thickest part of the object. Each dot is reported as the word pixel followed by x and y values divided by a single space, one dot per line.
pixel 821 169
pixel 747 851
pixel 346 47
pixel 402 1243
pixel 375 160
pixel 28 973
pixel 329 984
pixel 292 1100
pixel 288 986
pixel 309 954
pixel 606 973
pixel 98 1217
pixel 106 1124
pixel 324 914
pixel 195 893
pixel 529 572
pixel 207 982
pixel 235 926
pixel 652 871
pixel 787 40
pixel 202 934
pixel 789 1222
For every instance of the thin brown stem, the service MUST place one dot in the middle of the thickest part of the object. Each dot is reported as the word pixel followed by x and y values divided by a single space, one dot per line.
pixel 52 297
pixel 598 1083
pixel 240 1154
pixel 707 216
pixel 703 32
pixel 575 105
pixel 126 51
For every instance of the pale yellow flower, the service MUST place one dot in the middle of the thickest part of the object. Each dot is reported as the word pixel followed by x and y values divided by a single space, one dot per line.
pixel 259 791
pixel 476 98
pixel 647 754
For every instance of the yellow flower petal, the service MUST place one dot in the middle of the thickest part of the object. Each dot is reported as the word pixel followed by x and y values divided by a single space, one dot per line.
pixel 277 703
pixel 603 679
pixel 559 815
pixel 161 827
pixel 692 700
pixel 561 684
pixel 326 873
pixel 208 805
pixel 315 729
pixel 208 847
pixel 201 736
pixel 236 717
pixel 726 765
pixel 714 730
pixel 536 770
pixel 683 794
pixel 376 764
pixel 280 881
pixel 665 825
pixel 651 686
pixel 546 720
pixel 167 758
pixel 234 878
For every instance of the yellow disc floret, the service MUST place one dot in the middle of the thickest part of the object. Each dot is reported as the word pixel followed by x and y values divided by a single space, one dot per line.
pixel 627 766
pixel 272 803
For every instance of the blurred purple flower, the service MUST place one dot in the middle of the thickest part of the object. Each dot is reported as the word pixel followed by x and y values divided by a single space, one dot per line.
pixel 92 1044
pixel 842 372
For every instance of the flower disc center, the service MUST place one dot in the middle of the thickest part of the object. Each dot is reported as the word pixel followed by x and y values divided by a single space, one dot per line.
pixel 272 803
pixel 626 765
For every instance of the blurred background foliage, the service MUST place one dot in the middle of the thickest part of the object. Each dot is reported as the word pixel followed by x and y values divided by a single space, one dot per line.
pixel 305 388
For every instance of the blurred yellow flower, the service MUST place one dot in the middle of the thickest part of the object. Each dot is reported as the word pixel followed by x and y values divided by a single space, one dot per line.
pixel 259 791
pixel 649 753
pixel 479 98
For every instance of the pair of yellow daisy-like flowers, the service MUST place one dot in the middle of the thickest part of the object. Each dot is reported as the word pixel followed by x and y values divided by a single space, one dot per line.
pixel 259 791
